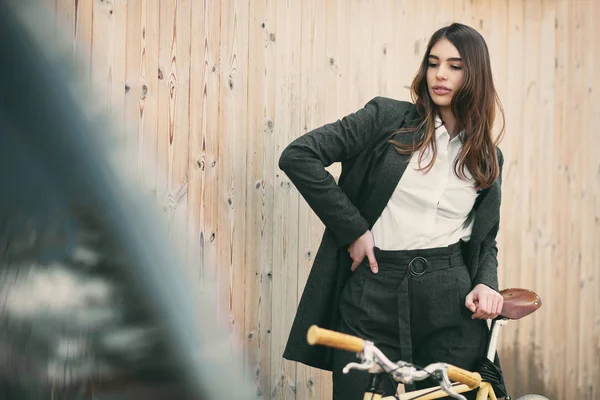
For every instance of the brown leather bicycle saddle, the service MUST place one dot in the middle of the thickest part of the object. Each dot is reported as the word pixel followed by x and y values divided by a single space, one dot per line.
pixel 519 303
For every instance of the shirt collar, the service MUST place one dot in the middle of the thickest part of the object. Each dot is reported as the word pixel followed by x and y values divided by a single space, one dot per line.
pixel 441 129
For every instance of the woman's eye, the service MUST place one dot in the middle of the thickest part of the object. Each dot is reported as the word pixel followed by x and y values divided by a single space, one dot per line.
pixel 456 67
pixel 432 65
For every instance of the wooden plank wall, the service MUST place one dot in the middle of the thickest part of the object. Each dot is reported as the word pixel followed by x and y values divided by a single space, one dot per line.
pixel 211 91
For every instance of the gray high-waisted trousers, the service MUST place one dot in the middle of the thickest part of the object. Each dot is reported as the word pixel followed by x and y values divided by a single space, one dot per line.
pixel 414 310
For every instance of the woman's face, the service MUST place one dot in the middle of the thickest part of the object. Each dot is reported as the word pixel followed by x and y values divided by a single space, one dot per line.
pixel 445 72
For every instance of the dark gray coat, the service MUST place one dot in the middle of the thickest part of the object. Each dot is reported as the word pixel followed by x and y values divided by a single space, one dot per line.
pixel 371 169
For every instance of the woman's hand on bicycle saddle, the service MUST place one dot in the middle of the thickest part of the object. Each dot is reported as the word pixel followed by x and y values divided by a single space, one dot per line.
pixel 361 248
pixel 484 302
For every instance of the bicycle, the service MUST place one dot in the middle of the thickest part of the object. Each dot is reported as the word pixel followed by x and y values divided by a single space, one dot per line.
pixel 517 304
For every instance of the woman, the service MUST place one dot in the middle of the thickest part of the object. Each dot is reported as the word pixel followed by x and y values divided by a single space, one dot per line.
pixel 408 259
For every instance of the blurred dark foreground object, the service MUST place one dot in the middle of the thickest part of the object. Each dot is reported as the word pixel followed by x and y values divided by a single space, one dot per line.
pixel 93 299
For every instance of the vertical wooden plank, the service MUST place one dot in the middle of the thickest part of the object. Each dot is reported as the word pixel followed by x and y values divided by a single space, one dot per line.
pixel 232 157
pixel 331 81
pixel 428 9
pixel 593 170
pixel 411 47
pixel 179 90
pixel 594 176
pixel 285 208
pixel 83 22
pixel 165 120
pixel 510 183
pixel 260 162
pixel 531 150
pixel 570 162
pixel 343 59
pixel 321 386
pixel 480 16
pixel 339 66
pixel 589 169
pixel 241 182
pixel 497 43
pixel 360 76
pixel 416 45
pixel 544 200
pixel 270 167
pixel 528 161
pixel 173 122
pixel 382 36
pixel 203 159
pixel 377 48
pixel 166 102
pixel 257 125
pixel 102 55
pixel 199 72
pixel 404 55
pixel 444 15
pixel 118 28
pixel 148 112
pixel 332 54
pixel 580 220
pixel 463 12
pixel 307 33
pixel 313 64
pixel 125 143
pixel 591 214
pixel 560 326
pixel 133 87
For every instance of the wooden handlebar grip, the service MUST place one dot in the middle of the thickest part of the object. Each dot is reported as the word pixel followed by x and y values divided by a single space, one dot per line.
pixel 341 341
pixel 471 379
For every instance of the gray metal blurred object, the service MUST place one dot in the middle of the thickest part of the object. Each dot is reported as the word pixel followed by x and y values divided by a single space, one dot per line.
pixel 93 298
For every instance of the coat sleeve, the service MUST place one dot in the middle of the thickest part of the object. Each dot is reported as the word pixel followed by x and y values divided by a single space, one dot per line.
pixel 305 159
pixel 487 272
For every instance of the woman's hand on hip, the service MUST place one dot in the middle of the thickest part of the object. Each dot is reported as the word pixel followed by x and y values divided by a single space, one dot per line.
pixel 361 248
pixel 484 302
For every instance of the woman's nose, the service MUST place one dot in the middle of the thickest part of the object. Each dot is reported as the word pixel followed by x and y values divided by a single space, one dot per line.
pixel 441 74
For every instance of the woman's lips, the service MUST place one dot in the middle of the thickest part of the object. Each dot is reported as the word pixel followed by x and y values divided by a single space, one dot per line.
pixel 440 91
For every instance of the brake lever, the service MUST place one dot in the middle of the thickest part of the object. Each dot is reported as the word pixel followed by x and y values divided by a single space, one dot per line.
pixel 365 366
pixel 442 376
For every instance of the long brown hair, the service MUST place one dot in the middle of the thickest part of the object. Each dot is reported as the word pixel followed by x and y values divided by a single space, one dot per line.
pixel 473 105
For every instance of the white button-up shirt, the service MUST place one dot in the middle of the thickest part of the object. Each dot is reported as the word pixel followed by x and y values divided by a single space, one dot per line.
pixel 432 209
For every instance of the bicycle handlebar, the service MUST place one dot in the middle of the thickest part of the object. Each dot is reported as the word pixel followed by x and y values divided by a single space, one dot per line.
pixel 341 341
pixel 471 379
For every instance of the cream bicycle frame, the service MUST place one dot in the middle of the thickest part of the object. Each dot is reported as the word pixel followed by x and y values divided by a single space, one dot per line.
pixel 485 392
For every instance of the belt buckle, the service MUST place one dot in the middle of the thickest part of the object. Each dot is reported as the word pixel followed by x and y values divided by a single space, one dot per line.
pixel 411 266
